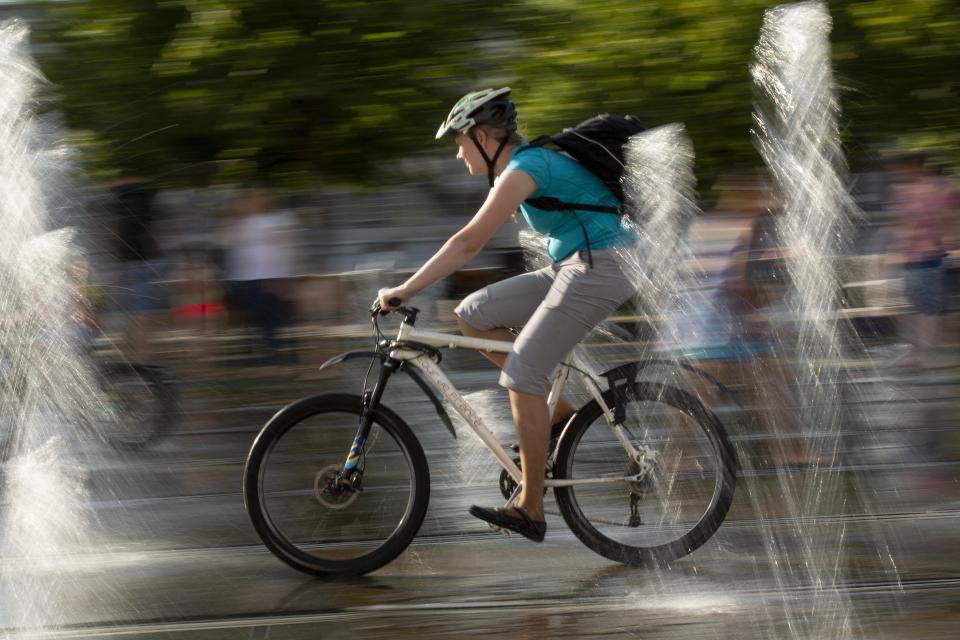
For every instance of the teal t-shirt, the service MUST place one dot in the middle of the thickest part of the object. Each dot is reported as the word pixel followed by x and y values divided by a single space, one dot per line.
pixel 559 176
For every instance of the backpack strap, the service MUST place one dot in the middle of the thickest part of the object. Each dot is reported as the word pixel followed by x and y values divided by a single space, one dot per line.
pixel 548 203
pixel 537 142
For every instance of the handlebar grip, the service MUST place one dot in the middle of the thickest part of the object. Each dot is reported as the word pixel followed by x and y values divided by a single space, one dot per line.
pixel 376 309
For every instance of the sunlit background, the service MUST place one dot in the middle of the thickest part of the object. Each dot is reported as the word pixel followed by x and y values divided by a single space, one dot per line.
pixel 333 105
pixel 244 175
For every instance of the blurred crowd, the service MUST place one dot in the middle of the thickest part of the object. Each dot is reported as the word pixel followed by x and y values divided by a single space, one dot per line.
pixel 259 261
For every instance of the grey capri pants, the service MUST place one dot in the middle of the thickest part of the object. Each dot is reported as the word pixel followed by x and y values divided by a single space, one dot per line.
pixel 556 307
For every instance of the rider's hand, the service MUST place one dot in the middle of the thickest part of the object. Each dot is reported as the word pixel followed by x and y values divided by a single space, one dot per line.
pixel 392 294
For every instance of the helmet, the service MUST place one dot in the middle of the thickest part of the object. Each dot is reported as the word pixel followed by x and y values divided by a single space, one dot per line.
pixel 490 106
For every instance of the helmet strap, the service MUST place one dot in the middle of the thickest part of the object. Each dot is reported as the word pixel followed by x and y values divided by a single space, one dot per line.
pixel 490 162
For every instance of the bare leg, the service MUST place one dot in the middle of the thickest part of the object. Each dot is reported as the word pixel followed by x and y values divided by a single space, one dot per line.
pixel 533 433
pixel 493 334
pixel 564 409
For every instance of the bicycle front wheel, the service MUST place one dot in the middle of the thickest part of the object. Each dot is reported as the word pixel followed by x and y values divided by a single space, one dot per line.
pixel 308 523
pixel 661 504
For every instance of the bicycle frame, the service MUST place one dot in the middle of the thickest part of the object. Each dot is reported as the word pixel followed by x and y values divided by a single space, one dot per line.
pixel 410 335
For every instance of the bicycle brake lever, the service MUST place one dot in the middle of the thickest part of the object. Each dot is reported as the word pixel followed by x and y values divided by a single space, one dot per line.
pixel 393 302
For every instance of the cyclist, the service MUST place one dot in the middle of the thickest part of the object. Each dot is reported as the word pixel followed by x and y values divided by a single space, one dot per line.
pixel 554 307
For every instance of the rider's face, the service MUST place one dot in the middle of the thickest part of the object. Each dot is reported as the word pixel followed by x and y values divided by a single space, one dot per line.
pixel 467 152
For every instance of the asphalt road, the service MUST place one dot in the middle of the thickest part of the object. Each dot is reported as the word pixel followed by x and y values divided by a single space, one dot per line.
pixel 162 547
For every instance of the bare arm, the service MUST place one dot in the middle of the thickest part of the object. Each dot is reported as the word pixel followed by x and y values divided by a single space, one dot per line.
pixel 504 198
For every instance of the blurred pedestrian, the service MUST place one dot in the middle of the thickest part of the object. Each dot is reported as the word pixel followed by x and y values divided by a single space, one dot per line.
pixel 925 204
pixel 259 251
pixel 735 331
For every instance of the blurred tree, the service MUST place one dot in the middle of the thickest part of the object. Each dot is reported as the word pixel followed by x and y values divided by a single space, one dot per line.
pixel 664 62
pixel 897 63
pixel 263 87
pixel 329 90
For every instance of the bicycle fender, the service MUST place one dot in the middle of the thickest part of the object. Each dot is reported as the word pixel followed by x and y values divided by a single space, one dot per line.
pixel 351 355
pixel 625 372
pixel 413 373
pixel 629 372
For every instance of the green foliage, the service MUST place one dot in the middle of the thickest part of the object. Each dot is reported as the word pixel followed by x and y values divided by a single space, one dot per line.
pixel 312 90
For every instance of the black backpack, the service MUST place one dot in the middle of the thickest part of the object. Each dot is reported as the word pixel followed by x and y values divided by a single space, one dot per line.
pixel 597 144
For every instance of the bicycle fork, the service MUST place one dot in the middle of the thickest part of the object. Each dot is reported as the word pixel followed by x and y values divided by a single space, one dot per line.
pixel 351 477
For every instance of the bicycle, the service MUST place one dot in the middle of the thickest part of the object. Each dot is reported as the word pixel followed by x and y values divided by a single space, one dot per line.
pixel 338 484
pixel 141 403
pixel 138 403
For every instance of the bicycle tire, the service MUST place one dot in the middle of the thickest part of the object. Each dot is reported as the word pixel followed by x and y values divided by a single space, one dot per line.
pixel 277 470
pixel 142 404
pixel 602 528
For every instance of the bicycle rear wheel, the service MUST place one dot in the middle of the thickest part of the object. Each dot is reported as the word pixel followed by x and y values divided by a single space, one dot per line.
pixel 684 478
pixel 324 531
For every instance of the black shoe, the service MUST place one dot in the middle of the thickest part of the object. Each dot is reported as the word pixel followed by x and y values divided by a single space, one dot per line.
pixel 555 432
pixel 531 529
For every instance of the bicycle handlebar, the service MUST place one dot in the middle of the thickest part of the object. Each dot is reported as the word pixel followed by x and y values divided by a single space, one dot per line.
pixel 375 308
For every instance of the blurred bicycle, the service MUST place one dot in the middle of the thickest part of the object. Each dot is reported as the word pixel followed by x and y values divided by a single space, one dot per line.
pixel 138 403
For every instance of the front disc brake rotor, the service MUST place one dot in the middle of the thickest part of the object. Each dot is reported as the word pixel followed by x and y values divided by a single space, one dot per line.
pixel 328 493
pixel 642 486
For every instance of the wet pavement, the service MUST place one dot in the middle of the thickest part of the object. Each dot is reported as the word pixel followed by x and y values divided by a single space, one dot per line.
pixel 171 553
